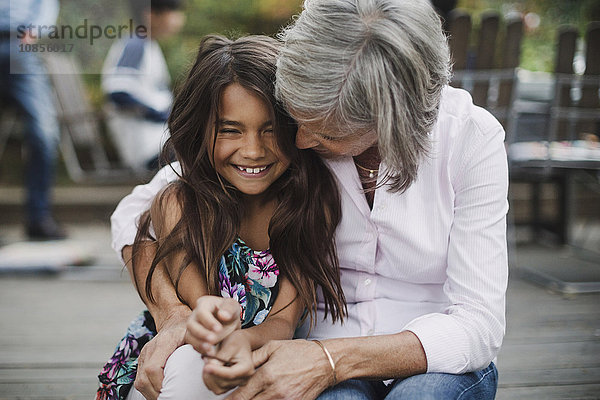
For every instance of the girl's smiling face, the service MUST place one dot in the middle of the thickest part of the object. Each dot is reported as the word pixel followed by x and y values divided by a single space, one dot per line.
pixel 246 152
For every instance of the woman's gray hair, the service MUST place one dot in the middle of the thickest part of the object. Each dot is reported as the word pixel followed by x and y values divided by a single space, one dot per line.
pixel 363 65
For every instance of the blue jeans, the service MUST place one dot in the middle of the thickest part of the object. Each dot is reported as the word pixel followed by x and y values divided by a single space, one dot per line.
pixel 31 93
pixel 479 385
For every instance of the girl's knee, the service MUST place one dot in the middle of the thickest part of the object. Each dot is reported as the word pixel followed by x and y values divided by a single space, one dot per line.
pixel 184 359
pixel 183 376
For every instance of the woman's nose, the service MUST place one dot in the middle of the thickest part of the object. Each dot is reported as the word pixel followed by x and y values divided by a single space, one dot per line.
pixel 304 139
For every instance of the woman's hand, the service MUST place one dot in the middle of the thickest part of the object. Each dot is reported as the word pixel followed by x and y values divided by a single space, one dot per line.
pixel 213 319
pixel 232 365
pixel 287 369
pixel 154 354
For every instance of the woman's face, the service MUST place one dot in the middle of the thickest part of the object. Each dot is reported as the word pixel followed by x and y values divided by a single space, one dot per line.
pixel 246 152
pixel 333 143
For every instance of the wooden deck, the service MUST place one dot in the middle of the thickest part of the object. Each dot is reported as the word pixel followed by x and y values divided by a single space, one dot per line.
pixel 552 345
pixel 57 331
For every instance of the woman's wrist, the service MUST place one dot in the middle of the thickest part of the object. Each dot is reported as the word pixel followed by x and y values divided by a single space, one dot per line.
pixel 329 360
pixel 172 315
pixel 377 357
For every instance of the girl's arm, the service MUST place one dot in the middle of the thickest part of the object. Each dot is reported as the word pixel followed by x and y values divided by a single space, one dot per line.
pixel 210 313
pixel 282 320
pixel 215 321
pixel 165 213
pixel 214 318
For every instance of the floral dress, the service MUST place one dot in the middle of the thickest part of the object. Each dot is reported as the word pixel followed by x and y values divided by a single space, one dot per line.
pixel 246 275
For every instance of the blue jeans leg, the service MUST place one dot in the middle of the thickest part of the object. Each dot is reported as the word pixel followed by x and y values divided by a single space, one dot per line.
pixel 32 93
pixel 479 385
pixel 353 389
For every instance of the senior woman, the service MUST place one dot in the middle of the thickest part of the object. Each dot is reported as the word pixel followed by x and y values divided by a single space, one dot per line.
pixel 422 241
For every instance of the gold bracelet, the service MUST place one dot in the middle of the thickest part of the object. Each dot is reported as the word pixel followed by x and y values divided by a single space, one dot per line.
pixel 329 358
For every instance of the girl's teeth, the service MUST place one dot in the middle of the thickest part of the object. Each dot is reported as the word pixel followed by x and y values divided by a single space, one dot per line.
pixel 253 170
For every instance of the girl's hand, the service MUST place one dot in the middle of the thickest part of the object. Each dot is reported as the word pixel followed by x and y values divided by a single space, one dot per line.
pixel 220 377
pixel 213 319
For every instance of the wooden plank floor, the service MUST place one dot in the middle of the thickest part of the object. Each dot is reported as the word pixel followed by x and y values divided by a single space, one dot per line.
pixel 552 345
pixel 56 332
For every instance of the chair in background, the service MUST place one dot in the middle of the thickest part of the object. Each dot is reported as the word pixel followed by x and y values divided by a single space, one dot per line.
pixel 559 155
pixel 82 145
pixel 489 75
pixel 569 158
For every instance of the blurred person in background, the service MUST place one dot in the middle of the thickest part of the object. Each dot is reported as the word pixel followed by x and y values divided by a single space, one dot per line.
pixel 24 83
pixel 136 82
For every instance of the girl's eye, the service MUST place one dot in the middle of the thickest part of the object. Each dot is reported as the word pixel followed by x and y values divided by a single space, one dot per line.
pixel 228 131
pixel 268 131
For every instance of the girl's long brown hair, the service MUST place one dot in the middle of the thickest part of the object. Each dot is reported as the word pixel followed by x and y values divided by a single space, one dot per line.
pixel 302 228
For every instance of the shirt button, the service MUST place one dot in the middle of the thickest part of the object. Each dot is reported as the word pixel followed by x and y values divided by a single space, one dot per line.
pixel 367 282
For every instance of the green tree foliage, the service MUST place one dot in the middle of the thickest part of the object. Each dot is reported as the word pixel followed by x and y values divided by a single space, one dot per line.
pixel 238 16
pixel 232 18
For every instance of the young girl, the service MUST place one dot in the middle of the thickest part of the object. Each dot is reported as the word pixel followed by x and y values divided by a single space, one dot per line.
pixel 251 218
